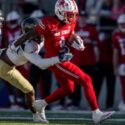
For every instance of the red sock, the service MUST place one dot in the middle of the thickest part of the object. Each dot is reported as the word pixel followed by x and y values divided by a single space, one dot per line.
pixel 56 95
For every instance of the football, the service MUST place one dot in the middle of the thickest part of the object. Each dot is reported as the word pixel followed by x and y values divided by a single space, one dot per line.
pixel 76 42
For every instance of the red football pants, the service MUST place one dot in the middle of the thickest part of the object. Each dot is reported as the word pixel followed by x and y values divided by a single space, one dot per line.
pixel 67 74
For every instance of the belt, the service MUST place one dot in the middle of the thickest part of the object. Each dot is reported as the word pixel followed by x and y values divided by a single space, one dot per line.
pixel 4 57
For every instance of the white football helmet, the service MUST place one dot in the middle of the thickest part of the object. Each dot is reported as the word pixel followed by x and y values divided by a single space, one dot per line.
pixel 121 22
pixel 13 19
pixel 37 13
pixel 66 10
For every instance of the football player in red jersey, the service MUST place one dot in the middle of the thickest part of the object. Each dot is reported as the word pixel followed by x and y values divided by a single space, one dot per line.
pixel 118 39
pixel 58 32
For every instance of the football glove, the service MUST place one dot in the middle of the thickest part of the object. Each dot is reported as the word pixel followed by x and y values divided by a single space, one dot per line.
pixel 78 44
pixel 65 56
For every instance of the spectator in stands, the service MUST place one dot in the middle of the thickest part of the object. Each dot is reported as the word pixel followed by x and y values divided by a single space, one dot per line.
pixel 118 8
pixel 118 39
pixel 105 20
pixel 106 26
pixel 12 31
pixel 93 9
pixel 90 4
pixel 106 8
pixel 82 5
pixel 105 68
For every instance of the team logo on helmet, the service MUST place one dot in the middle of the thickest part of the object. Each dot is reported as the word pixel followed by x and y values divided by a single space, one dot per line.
pixel 66 10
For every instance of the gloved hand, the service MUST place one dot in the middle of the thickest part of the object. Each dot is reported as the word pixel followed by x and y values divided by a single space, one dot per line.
pixel 65 56
pixel 78 44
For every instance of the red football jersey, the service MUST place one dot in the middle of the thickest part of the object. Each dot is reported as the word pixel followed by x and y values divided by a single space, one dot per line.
pixel 55 34
pixel 118 39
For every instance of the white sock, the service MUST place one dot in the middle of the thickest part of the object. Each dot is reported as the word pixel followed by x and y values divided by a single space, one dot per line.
pixel 96 112
pixel 44 102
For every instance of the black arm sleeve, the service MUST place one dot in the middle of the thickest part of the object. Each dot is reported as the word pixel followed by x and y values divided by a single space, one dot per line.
pixel 27 36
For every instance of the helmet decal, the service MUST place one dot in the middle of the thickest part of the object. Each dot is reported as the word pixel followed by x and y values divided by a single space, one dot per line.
pixel 63 9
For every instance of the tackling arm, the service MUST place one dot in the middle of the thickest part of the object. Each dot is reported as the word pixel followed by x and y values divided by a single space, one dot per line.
pixel 47 62
pixel 26 36
pixel 40 62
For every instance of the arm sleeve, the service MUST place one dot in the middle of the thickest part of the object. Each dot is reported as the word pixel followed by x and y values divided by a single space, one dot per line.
pixel 39 61
pixel 30 52
pixel 27 36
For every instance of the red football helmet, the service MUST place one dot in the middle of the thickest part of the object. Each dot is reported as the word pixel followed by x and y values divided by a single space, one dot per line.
pixel 66 10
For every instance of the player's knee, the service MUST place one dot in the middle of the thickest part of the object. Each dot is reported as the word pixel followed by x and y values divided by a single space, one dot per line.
pixel 87 80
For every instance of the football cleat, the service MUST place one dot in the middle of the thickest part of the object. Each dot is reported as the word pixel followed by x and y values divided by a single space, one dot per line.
pixel 39 118
pixel 40 105
pixel 98 118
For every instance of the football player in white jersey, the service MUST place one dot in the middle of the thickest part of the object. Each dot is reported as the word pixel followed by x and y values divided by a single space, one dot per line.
pixel 27 52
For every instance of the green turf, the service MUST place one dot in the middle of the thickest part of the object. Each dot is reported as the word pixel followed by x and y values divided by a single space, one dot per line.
pixel 30 123
pixel 57 118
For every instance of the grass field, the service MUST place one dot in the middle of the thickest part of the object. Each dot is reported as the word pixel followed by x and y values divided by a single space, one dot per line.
pixel 8 117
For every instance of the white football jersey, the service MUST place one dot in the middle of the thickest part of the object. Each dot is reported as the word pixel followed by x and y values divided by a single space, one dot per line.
pixel 28 51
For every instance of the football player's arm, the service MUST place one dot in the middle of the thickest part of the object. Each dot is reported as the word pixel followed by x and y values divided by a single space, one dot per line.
pixel 27 36
pixel 30 52
pixel 40 62
pixel 38 30
pixel 44 63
